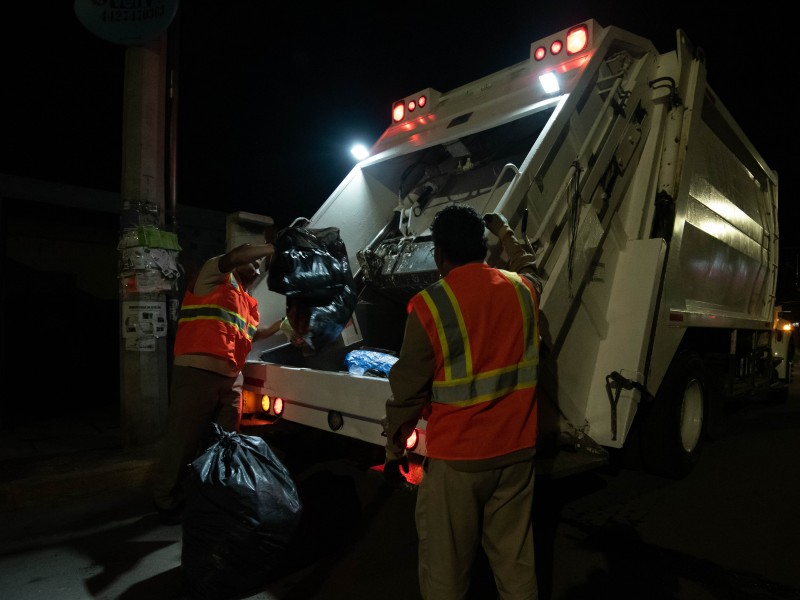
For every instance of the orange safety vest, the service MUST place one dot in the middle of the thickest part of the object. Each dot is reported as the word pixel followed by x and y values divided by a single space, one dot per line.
pixel 482 323
pixel 221 323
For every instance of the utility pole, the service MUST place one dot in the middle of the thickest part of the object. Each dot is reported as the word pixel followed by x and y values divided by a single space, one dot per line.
pixel 143 306
pixel 148 254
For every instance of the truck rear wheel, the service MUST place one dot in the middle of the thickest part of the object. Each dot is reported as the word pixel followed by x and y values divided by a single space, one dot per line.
pixel 674 427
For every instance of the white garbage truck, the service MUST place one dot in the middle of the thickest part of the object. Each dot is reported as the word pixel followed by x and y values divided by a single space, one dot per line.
pixel 653 219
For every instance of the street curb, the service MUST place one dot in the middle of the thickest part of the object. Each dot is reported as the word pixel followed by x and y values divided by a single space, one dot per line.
pixel 69 478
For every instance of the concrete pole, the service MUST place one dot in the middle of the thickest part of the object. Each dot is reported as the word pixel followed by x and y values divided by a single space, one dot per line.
pixel 144 367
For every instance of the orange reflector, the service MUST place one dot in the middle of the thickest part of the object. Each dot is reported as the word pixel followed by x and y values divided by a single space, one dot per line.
pixel 577 39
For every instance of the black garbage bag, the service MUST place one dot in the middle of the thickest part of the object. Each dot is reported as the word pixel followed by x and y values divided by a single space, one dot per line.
pixel 309 263
pixel 311 269
pixel 241 515
pixel 320 324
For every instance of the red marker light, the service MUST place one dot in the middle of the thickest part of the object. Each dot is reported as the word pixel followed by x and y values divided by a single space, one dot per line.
pixel 556 46
pixel 412 440
pixel 277 406
pixel 411 105
pixel 423 100
pixel 398 111
pixel 540 53
pixel 577 39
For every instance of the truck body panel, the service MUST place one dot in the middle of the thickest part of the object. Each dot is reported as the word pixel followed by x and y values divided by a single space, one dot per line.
pixel 652 217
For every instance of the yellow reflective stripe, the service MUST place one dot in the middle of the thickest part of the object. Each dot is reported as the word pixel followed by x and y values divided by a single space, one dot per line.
pixel 528 311
pixel 439 331
pixel 215 312
pixel 486 386
pixel 460 387
pixel 450 328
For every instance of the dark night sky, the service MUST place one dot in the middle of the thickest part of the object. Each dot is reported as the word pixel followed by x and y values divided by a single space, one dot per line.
pixel 271 97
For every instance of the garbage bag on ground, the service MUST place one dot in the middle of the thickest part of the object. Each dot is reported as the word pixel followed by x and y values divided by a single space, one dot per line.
pixel 242 512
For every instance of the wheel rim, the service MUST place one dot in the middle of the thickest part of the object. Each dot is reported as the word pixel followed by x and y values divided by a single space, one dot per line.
pixel 692 415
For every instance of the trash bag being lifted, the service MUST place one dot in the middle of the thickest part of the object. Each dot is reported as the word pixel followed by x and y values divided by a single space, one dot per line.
pixel 242 512
pixel 309 263
pixel 311 269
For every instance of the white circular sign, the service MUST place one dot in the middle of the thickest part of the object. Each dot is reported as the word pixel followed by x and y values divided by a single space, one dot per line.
pixel 126 22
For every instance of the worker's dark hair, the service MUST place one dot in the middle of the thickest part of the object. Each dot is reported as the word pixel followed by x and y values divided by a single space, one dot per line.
pixel 459 233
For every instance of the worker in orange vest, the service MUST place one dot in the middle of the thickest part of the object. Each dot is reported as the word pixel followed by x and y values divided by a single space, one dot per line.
pixel 217 324
pixel 468 365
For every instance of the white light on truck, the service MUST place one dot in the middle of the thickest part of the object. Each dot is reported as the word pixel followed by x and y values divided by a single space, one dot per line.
pixel 359 151
pixel 549 82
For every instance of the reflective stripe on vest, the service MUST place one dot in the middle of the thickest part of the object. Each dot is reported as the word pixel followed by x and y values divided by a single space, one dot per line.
pixel 194 312
pixel 460 386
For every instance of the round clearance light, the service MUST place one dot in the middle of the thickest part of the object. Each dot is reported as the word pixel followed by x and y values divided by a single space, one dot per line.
pixel 277 406
pixel 398 111
pixel 556 46
pixel 423 100
pixel 412 440
pixel 411 106
pixel 265 403
pixel 335 420
pixel 577 39
pixel 539 53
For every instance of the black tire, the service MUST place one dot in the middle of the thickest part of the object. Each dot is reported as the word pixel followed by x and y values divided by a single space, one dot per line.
pixel 674 428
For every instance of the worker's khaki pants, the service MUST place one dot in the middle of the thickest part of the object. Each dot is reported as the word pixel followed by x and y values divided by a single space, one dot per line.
pixel 197 399
pixel 457 510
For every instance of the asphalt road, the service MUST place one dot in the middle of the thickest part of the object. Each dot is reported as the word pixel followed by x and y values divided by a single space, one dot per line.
pixel 730 530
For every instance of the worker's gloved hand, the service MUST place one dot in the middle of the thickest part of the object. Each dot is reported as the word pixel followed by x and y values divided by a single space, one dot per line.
pixel 391 471
pixel 496 223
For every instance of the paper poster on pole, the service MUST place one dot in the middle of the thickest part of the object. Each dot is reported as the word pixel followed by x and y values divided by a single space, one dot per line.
pixel 142 320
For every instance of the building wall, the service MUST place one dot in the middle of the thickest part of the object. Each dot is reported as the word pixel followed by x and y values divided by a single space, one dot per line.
pixel 61 327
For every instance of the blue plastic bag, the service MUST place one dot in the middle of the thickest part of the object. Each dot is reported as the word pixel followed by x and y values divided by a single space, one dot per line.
pixel 369 362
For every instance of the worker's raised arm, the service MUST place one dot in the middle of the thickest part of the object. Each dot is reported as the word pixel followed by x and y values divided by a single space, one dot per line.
pixel 519 259
pixel 244 254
